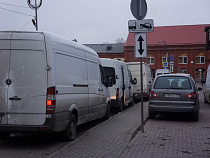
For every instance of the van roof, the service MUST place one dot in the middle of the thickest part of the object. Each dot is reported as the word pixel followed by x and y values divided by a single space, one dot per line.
pixel 57 39
pixel 111 60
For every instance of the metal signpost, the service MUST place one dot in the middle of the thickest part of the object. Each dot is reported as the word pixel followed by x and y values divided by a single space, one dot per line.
pixel 140 27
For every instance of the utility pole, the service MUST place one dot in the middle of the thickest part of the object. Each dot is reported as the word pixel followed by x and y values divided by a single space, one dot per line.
pixel 35 6
pixel 36 17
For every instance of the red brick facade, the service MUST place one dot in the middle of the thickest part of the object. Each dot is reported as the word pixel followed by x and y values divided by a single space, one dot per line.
pixel 185 43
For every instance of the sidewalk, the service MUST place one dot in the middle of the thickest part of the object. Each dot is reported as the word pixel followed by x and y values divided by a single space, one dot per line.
pixel 108 139
pixel 178 138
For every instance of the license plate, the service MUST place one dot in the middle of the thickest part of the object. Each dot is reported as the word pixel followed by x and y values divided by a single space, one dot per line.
pixel 172 95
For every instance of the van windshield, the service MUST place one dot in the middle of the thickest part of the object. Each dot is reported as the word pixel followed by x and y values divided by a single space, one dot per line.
pixel 172 82
pixel 110 73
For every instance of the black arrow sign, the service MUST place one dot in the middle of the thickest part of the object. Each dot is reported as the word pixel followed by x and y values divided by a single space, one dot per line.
pixel 140 44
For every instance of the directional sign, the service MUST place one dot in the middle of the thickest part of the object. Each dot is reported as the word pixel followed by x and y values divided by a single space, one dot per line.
pixel 146 25
pixel 140 45
pixel 139 9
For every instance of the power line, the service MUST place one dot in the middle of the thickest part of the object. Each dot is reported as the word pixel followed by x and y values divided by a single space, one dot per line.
pixel 16 12
pixel 14 5
pixel 25 25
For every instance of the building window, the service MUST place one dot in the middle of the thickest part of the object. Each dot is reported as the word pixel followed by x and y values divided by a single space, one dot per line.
pixel 200 60
pixel 150 60
pixel 182 60
pixel 183 71
pixel 200 73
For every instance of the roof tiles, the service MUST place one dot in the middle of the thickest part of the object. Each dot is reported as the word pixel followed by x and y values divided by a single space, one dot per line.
pixel 173 35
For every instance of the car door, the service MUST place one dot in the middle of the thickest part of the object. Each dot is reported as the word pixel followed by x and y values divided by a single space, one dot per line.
pixel 28 80
pixel 4 72
pixel 103 90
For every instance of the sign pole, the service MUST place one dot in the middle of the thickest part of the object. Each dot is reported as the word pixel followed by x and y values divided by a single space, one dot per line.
pixel 142 112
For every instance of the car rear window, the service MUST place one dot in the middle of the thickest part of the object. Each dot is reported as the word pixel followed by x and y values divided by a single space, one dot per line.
pixel 172 82
pixel 110 73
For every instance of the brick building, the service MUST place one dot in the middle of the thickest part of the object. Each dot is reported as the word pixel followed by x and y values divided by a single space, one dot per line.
pixel 183 46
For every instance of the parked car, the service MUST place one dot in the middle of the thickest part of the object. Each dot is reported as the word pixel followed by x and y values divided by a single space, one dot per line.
pixel 49 84
pixel 206 87
pixel 174 93
pixel 121 92
pixel 147 80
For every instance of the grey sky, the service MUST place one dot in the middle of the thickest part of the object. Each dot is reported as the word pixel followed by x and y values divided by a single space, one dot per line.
pixel 98 21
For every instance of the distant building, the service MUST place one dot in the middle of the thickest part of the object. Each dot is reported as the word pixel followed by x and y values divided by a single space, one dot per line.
pixel 113 51
pixel 182 46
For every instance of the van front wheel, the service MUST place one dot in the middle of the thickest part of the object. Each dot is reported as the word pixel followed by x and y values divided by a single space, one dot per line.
pixel 107 114
pixel 70 133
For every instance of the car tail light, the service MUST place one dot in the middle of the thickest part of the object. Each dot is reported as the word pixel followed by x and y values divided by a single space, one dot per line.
pixel 117 93
pixel 51 101
pixel 192 95
pixel 153 95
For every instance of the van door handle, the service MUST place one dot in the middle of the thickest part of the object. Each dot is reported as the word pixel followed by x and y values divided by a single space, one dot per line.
pixel 100 89
pixel 15 98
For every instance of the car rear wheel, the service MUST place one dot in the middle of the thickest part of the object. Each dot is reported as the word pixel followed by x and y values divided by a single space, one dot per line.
pixel 131 103
pixel 119 108
pixel 195 117
pixel 152 115
pixel 205 101
pixel 70 133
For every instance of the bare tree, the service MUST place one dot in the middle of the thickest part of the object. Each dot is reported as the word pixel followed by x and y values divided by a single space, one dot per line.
pixel 120 40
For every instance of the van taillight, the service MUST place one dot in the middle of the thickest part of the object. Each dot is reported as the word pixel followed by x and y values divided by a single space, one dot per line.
pixel 117 93
pixel 153 95
pixel 192 95
pixel 51 101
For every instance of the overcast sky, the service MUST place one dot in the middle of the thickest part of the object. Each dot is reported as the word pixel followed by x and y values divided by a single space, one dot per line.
pixel 99 21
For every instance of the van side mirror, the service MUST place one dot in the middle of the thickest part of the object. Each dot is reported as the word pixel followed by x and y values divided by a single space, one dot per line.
pixel 134 81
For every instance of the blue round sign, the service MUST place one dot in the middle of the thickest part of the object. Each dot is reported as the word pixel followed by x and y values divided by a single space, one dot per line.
pixel 171 58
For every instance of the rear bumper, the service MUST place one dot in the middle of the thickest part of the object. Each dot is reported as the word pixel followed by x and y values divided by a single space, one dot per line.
pixel 55 122
pixel 138 95
pixel 172 108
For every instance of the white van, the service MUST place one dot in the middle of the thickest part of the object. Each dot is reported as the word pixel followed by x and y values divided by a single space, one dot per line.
pixel 162 72
pixel 206 87
pixel 48 83
pixel 147 79
pixel 121 93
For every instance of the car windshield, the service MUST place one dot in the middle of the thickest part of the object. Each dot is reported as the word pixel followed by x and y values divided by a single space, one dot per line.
pixel 110 73
pixel 172 82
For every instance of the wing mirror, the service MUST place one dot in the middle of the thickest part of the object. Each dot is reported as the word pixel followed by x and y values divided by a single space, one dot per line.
pixel 134 81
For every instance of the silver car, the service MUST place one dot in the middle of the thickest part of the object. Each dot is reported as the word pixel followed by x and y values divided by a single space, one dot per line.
pixel 174 93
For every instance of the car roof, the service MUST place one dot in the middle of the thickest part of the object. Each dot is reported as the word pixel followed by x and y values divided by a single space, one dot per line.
pixel 178 74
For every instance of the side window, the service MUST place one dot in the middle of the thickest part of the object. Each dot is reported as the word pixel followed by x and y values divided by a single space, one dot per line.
pixel 103 77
